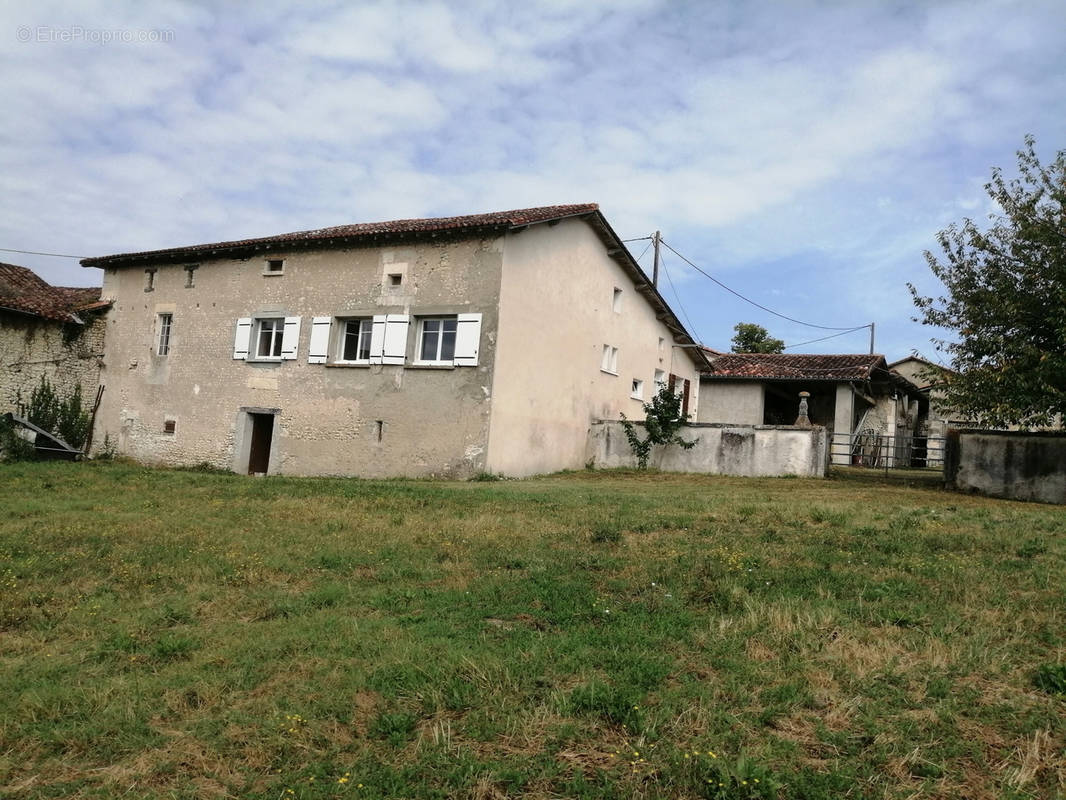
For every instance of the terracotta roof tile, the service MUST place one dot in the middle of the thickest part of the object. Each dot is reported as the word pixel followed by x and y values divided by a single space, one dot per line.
pixel 23 290
pixel 795 367
pixel 362 232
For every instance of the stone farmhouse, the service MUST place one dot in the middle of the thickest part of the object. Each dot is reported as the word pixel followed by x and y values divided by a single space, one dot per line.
pixel 449 346
pixel 52 332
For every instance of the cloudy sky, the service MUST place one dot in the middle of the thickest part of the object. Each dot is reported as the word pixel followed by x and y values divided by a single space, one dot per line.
pixel 804 153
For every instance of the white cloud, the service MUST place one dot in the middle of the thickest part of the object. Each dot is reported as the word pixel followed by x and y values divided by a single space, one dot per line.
pixel 824 143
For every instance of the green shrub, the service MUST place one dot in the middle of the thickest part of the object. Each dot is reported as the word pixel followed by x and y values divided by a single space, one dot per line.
pixel 64 417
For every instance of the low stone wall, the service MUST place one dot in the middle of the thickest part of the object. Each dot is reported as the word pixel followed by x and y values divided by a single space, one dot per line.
pixel 1018 466
pixel 746 450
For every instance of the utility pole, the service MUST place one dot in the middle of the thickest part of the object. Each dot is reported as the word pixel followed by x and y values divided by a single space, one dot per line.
pixel 655 264
pixel 871 338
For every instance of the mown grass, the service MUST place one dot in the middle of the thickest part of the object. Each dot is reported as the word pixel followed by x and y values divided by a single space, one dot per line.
pixel 598 635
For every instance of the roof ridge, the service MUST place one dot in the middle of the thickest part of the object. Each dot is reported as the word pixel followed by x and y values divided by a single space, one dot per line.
pixel 512 218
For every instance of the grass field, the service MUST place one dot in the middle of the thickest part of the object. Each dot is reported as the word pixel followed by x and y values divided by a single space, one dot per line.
pixel 194 635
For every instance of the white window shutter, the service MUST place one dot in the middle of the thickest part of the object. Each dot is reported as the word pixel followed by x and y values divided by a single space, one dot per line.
pixel 318 348
pixel 377 338
pixel 242 338
pixel 290 339
pixel 394 350
pixel 467 339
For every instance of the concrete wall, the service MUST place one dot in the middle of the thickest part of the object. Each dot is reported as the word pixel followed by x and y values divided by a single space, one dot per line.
pixel 433 420
pixel 736 403
pixel 746 450
pixel 32 348
pixel 557 312
pixel 1019 466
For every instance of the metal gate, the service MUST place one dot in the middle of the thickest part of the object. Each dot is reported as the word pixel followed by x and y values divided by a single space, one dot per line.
pixel 874 450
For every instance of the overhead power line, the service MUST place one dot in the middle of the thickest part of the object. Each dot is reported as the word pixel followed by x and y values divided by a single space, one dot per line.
pixel 759 305
pixel 677 297
pixel 38 253
pixel 830 336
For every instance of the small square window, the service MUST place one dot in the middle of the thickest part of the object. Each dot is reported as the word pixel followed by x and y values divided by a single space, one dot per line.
pixel 616 302
pixel 169 426
pixel 163 342
pixel 637 391
pixel 436 337
pixel 274 266
pixel 395 279
pixel 269 332
pixel 609 361
pixel 355 340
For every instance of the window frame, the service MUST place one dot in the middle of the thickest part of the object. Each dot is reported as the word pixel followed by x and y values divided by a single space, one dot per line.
pixel 165 328
pixel 268 271
pixel 366 328
pixel 609 360
pixel 637 389
pixel 277 339
pixel 420 341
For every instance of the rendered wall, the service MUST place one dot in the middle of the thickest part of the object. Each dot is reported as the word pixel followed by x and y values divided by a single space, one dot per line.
pixel 556 314
pixel 1018 466
pixel 745 450
pixel 434 419
pixel 734 403
pixel 32 348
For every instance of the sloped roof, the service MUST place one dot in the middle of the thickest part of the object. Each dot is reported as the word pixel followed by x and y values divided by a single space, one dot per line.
pixel 362 233
pixel 24 291
pixel 408 230
pixel 787 366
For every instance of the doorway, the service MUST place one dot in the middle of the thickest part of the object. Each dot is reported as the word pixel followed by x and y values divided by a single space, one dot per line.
pixel 253 451
pixel 259 449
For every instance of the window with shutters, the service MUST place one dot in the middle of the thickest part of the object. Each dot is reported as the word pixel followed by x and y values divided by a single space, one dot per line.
pixel 452 341
pixel 266 338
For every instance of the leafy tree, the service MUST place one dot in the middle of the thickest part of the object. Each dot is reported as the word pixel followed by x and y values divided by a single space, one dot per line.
pixel 752 338
pixel 1006 300
pixel 662 421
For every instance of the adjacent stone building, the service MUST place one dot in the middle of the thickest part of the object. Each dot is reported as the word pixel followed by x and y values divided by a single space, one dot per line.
pixel 46 331
pixel 450 346
pixel 849 394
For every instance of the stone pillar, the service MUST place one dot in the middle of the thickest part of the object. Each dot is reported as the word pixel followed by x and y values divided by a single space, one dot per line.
pixel 843 419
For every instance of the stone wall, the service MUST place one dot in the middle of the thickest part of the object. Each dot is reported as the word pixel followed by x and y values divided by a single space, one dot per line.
pixel 1018 466
pixel 745 450
pixel 65 354
pixel 191 404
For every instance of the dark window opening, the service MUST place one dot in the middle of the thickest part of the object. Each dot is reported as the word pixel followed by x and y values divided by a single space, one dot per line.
pixel 395 279
pixel 275 265
pixel 169 426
